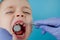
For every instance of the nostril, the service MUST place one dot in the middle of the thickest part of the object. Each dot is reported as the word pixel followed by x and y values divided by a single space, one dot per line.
pixel 22 15
pixel 17 15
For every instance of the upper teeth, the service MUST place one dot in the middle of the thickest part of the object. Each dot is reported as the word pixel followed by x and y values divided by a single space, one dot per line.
pixel 17 28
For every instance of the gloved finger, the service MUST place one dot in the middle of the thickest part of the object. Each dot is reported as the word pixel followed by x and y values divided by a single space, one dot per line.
pixel 5 35
pixel 54 31
pixel 53 22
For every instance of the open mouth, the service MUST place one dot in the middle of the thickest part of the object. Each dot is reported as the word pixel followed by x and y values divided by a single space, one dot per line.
pixel 19 29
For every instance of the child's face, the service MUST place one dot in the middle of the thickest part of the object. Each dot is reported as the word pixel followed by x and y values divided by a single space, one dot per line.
pixel 16 12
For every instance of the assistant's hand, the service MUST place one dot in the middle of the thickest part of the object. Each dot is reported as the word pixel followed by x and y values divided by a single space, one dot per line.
pixel 50 25
pixel 5 35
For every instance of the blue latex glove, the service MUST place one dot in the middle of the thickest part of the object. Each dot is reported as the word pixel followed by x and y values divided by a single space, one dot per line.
pixel 49 25
pixel 5 35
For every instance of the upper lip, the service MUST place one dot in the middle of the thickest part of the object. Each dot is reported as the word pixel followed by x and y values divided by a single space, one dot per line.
pixel 19 22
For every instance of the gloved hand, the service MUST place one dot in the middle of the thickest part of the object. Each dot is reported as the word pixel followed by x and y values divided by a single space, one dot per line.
pixel 5 35
pixel 49 25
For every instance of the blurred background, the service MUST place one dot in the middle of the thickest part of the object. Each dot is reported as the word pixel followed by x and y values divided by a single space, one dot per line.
pixel 43 9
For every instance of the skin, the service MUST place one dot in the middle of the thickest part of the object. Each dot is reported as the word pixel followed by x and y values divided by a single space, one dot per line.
pixel 9 9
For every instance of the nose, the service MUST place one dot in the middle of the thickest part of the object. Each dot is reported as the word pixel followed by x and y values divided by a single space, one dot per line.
pixel 19 15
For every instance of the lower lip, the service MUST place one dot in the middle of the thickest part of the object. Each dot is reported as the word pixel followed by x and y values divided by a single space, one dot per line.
pixel 20 37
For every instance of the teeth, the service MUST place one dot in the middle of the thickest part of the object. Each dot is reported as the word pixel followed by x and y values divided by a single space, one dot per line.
pixel 21 23
pixel 17 28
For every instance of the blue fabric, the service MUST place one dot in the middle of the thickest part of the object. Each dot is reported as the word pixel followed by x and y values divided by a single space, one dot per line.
pixel 5 35
pixel 46 27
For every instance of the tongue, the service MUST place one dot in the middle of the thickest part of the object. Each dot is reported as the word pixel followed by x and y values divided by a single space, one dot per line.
pixel 19 33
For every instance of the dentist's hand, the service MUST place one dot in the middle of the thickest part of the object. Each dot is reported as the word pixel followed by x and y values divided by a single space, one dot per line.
pixel 50 25
pixel 5 35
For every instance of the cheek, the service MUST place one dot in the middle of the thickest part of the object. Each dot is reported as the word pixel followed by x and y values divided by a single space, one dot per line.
pixel 29 19
pixel 29 26
pixel 4 19
pixel 28 30
pixel 5 22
